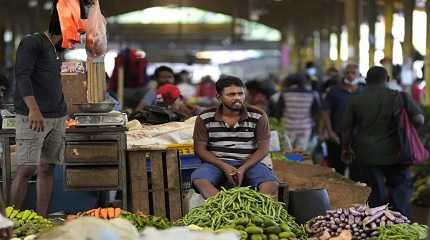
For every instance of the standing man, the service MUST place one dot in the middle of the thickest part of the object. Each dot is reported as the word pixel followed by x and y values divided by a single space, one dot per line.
pixel 41 111
pixel 335 105
pixel 369 116
pixel 233 142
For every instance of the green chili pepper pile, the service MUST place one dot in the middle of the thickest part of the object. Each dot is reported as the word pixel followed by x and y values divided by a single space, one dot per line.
pixel 228 205
pixel 403 232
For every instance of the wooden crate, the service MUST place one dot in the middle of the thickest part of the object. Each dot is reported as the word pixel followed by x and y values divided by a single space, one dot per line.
pixel 156 192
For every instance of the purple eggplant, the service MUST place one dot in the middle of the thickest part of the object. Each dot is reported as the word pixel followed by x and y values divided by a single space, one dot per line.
pixel 372 218
pixel 357 220
pixel 373 211
pixel 389 215
pixel 354 212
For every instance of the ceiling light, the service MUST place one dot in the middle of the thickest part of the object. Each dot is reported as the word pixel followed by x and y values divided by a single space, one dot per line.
pixel 47 6
pixel 33 3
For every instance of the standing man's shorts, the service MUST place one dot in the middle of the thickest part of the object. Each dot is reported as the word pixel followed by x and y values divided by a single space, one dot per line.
pixel 47 147
pixel 254 176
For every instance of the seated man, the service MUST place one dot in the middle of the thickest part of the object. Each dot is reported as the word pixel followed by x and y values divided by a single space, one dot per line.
pixel 233 142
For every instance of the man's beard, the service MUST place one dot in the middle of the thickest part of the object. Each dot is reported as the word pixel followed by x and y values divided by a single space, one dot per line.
pixel 233 109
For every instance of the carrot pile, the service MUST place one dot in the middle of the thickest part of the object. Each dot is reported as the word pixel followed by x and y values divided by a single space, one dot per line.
pixel 104 213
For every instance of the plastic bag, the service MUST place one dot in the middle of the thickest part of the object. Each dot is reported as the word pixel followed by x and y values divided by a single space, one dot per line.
pixel 96 40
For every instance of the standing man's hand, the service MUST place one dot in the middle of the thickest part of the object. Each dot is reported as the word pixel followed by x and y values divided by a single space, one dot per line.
pixel 333 136
pixel 230 173
pixel 35 120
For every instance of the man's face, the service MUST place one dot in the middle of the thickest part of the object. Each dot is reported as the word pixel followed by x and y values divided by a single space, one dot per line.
pixel 351 74
pixel 165 77
pixel 233 97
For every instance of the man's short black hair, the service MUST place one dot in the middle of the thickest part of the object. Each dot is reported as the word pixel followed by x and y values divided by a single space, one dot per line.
pixel 54 22
pixel 162 69
pixel 376 75
pixel 227 81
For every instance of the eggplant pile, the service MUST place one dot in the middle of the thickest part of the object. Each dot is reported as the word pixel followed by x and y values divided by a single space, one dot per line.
pixel 362 221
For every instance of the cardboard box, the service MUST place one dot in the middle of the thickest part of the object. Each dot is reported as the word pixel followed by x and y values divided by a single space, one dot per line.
pixel 74 90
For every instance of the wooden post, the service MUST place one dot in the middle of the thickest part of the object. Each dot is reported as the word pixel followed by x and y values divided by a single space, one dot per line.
pixel 388 16
pixel 339 60
pixel 293 45
pixel 427 58
pixel 121 86
pixel 353 26
pixel 408 9
pixel 325 48
pixel 372 14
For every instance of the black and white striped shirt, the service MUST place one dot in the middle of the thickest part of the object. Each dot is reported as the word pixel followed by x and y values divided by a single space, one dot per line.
pixel 235 143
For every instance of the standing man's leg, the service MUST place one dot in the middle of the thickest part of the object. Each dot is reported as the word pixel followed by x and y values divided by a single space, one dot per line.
pixel 45 184
pixel 20 184
pixel 28 151
pixel 399 183
pixel 52 154
pixel 302 139
pixel 375 179
pixel 334 159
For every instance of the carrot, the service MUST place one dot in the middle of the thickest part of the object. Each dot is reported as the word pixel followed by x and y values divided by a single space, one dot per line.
pixel 111 213
pixel 104 213
pixel 97 212
pixel 71 217
pixel 117 212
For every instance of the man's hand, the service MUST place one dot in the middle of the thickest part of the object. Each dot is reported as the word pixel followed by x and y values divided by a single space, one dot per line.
pixel 240 175
pixel 230 172
pixel 347 156
pixel 35 121
pixel 333 136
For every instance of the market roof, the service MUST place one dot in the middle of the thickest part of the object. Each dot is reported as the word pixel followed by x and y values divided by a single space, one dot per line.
pixel 306 15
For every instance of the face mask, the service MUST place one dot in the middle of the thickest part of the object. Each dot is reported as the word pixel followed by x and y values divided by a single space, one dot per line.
pixel 311 71
pixel 355 82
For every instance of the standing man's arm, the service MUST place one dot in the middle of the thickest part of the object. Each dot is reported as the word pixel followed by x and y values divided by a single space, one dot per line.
pixel 26 57
pixel 329 102
pixel 414 111
pixel 201 138
pixel 347 127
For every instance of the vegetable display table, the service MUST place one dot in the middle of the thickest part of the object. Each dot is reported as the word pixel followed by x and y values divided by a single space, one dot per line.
pixel 94 160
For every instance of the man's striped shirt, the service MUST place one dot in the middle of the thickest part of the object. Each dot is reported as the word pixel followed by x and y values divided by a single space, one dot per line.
pixel 235 143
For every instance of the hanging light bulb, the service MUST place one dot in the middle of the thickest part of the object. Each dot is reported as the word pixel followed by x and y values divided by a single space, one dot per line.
pixel 33 3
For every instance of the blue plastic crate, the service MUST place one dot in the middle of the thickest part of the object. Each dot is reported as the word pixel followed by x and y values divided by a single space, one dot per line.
pixel 296 157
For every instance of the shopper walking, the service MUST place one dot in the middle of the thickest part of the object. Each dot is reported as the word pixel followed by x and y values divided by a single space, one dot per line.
pixel 298 106
pixel 334 107
pixel 369 128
